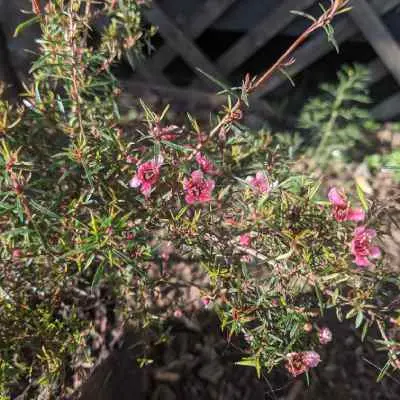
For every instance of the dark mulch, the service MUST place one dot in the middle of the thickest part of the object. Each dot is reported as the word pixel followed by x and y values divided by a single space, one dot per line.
pixel 197 362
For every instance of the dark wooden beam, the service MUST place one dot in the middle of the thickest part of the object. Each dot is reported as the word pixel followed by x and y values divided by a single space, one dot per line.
pixel 319 46
pixel 257 37
pixel 388 109
pixel 375 31
pixel 190 97
pixel 177 40
pixel 196 24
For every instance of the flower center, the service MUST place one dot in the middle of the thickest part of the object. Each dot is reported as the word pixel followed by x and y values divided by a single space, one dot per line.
pixel 362 244
pixel 148 175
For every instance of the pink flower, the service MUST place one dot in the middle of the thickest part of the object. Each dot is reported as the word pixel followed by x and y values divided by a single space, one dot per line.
pixel 259 182
pixel 362 247
pixel 147 175
pixel 178 313
pixel 324 335
pixel 247 259
pixel 341 209
pixel 245 240
pixel 205 164
pixel 248 337
pixel 300 362
pixel 16 253
pixel 131 159
pixel 206 301
pixel 311 358
pixel 169 132
pixel 197 188
pixel 130 235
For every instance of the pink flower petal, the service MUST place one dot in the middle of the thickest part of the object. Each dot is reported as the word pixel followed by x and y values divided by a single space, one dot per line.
pixel 205 164
pixel 362 261
pixel 311 359
pixel 371 233
pixel 135 182
pixel 359 230
pixel 355 214
pixel 190 199
pixel 210 184
pixel 146 189
pixel 376 252
pixel 260 175
pixel 337 198
pixel 197 176
pixel 325 335
pixel 245 239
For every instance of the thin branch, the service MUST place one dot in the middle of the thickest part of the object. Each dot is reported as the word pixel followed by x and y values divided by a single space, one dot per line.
pixel 336 7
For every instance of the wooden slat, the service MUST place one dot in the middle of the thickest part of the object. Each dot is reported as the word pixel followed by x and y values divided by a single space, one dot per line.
pixel 174 93
pixel 319 46
pixel 388 109
pixel 377 71
pixel 378 35
pixel 149 74
pixel 194 27
pixel 182 45
pixel 265 30
pixel 272 24
pixel 189 96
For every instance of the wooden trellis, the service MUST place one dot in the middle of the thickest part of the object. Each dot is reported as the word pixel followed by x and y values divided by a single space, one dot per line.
pixel 179 40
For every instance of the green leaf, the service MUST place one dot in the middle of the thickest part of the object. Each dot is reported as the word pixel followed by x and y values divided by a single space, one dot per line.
pixel 43 210
pixel 314 190
pixel 26 24
pixel 176 146
pixel 364 330
pixel 218 83
pixel 286 255
pixel 361 196
pixel 339 314
pixel 164 112
pixel 60 104
pixel 303 14
pixel 383 371
pixel 320 299
pixel 351 313
pixel 89 261
pixel 251 362
pixel 288 77
pixel 359 319
pixel 98 275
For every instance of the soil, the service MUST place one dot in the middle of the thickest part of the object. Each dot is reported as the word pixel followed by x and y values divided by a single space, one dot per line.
pixel 198 363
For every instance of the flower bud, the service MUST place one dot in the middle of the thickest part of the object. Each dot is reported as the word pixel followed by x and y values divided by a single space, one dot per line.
pixel 325 335
pixel 308 327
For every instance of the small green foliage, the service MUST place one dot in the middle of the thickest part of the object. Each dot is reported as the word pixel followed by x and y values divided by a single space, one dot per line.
pixel 389 162
pixel 337 120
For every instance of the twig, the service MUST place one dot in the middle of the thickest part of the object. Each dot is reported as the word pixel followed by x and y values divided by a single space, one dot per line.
pixel 393 355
